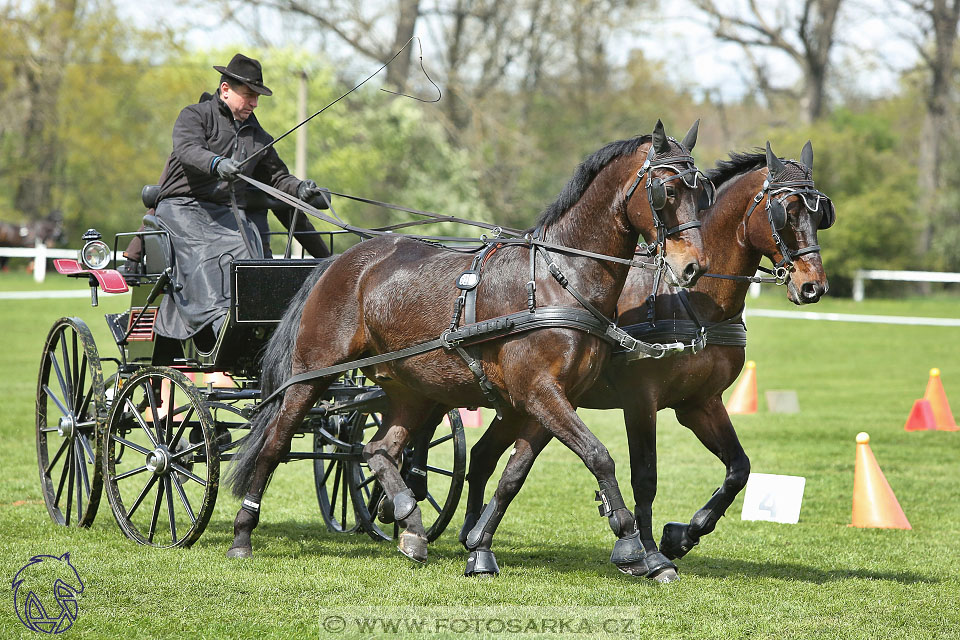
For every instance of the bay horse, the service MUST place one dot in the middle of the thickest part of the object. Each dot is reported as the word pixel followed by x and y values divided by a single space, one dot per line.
pixel 48 231
pixel 735 239
pixel 388 293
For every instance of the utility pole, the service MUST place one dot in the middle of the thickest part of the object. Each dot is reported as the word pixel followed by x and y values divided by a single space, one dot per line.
pixel 300 163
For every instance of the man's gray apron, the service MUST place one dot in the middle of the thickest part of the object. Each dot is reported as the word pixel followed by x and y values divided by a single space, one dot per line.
pixel 205 240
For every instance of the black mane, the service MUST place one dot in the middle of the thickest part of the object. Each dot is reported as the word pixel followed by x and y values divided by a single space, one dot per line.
pixel 585 174
pixel 743 162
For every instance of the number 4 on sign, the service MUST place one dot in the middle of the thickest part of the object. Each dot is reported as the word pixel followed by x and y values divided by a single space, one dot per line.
pixel 772 497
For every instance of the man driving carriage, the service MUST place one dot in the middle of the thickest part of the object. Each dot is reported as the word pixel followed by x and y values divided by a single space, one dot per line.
pixel 211 141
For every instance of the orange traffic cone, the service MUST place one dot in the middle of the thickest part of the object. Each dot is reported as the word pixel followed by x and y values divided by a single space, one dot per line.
pixel 921 417
pixel 744 397
pixel 937 398
pixel 874 505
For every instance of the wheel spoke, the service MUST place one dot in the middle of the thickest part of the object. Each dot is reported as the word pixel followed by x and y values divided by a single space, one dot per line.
pixel 326 474
pixel 190 449
pixel 63 385
pixel 343 502
pixel 336 488
pixel 132 445
pixel 59 453
pixel 75 378
pixel 87 449
pixel 132 472
pixel 63 478
pixel 183 497
pixel 182 427
pixel 370 478
pixel 169 417
pixel 433 502
pixel 155 410
pixel 143 494
pixel 81 473
pixel 440 440
pixel 156 512
pixel 71 464
pixel 56 401
pixel 143 425
pixel 67 372
pixel 83 403
pixel 84 474
pixel 173 518
pixel 189 474
pixel 442 472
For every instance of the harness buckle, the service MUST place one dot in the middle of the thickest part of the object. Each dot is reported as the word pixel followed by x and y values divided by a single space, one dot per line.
pixel 781 274
pixel 446 341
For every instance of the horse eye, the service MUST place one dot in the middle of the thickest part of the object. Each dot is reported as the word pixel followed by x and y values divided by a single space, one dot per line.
pixel 671 191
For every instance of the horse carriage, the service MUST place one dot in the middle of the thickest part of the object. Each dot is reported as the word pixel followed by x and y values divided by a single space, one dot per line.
pixel 152 424
pixel 531 338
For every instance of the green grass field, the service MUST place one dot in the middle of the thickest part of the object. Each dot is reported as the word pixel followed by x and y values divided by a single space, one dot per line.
pixel 816 579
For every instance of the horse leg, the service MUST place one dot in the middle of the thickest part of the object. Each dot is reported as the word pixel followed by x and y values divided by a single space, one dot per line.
pixel 532 440
pixel 382 455
pixel 279 433
pixel 484 456
pixel 711 424
pixel 640 419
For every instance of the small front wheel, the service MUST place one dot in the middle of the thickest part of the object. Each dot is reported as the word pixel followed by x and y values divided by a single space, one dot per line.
pixel 160 459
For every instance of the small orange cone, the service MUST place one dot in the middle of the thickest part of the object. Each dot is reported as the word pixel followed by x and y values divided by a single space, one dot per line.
pixel 937 398
pixel 874 505
pixel 921 417
pixel 744 397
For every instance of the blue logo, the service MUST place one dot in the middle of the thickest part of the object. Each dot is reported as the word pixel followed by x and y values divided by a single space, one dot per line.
pixel 45 592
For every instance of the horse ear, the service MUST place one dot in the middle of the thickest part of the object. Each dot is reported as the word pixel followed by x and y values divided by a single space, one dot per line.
pixel 774 166
pixel 690 140
pixel 806 156
pixel 660 144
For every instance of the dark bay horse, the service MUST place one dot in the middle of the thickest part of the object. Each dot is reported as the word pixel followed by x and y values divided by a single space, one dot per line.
pixel 48 231
pixel 737 233
pixel 388 293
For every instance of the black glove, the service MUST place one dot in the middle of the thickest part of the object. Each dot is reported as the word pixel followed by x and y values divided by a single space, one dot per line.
pixel 309 192
pixel 227 168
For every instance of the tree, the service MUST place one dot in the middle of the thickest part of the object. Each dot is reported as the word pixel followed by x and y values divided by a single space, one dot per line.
pixel 37 44
pixel 806 36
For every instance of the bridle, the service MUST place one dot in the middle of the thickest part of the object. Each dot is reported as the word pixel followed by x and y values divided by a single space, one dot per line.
pixel 656 189
pixel 777 192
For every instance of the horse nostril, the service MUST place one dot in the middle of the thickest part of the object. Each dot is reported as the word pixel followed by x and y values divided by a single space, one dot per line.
pixel 811 291
pixel 691 271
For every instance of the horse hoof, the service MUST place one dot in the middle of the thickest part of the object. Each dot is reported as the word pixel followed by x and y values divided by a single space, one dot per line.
pixel 413 546
pixel 240 552
pixel 666 575
pixel 481 563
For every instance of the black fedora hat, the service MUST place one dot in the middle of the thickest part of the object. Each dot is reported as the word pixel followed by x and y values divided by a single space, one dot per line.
pixel 246 70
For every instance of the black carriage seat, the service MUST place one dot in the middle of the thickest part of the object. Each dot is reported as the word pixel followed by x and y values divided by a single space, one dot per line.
pixel 150 195
pixel 157 250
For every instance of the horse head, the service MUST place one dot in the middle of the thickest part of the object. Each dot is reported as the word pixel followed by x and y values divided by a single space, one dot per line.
pixel 787 234
pixel 668 218
pixel 50 229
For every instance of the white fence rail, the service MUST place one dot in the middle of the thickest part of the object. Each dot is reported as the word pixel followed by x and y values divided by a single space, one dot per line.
pixel 40 254
pixel 904 276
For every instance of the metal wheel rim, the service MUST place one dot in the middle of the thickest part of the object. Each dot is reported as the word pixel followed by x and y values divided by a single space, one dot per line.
pixel 70 407
pixel 170 460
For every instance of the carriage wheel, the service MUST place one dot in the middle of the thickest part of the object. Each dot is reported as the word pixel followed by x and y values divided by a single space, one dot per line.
pixel 331 474
pixel 70 403
pixel 160 459
pixel 434 468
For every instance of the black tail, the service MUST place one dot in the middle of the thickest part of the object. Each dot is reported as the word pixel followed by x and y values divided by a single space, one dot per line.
pixel 277 367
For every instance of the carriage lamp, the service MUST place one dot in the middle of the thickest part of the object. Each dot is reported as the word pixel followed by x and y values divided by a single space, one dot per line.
pixel 95 253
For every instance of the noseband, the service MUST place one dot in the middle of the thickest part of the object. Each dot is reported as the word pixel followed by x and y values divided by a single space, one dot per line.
pixel 777 193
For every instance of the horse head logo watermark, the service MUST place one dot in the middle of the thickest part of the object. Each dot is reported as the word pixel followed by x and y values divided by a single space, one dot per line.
pixel 45 593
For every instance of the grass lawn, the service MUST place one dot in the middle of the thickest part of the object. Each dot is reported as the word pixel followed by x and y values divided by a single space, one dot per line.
pixel 816 579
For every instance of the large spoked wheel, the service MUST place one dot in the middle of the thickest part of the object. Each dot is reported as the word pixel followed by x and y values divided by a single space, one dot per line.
pixel 160 459
pixel 70 404
pixel 433 467
pixel 332 472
